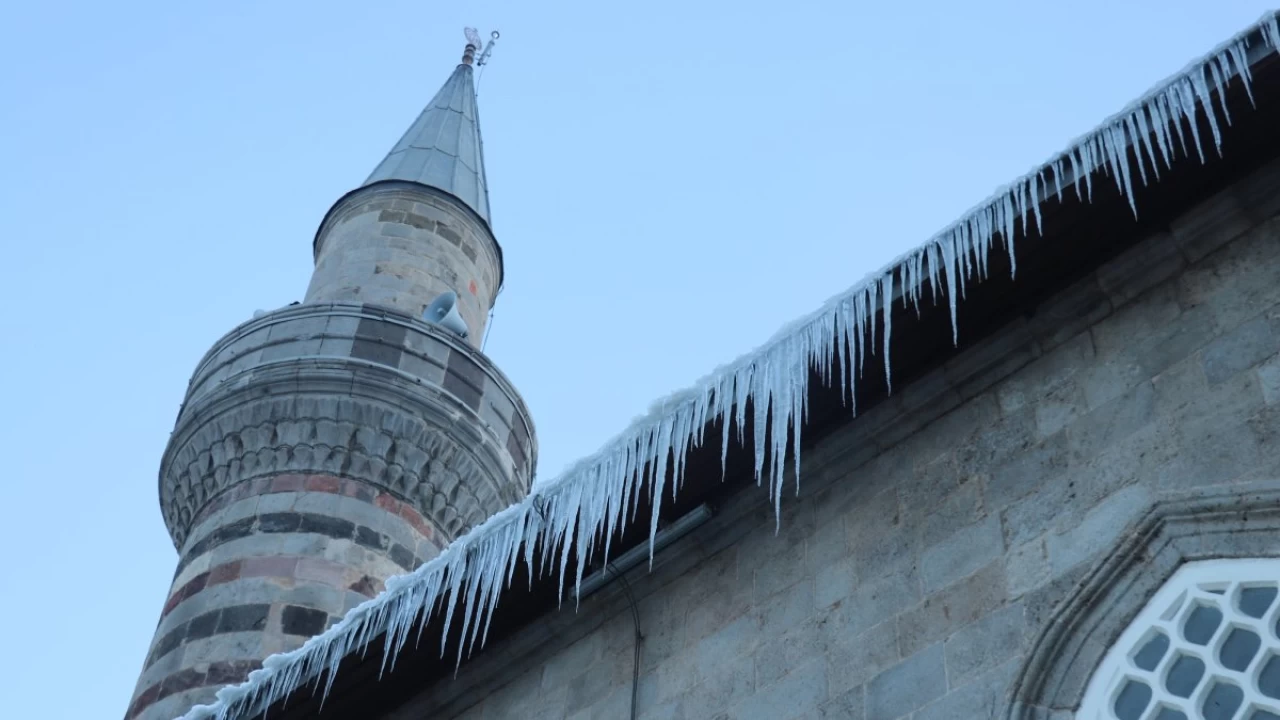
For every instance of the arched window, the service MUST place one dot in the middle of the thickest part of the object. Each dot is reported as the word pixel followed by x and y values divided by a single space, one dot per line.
pixel 1207 646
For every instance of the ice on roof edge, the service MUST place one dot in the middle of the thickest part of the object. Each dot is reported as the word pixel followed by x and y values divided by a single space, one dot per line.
pixel 588 501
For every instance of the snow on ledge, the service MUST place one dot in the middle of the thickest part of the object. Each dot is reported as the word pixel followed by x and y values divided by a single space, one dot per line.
pixel 588 502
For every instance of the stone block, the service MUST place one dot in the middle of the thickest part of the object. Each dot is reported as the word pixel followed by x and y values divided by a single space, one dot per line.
pixel 848 705
pixel 997 357
pixel 1026 567
pixel 669 679
pixel 1184 393
pixel 1181 388
pixel 877 544
pixel 1022 473
pixel 425 370
pixel 231 646
pixel 717 690
pixel 779 656
pixel 1237 282
pixel 849 497
pixel 1150 262
pixel 313 595
pixel 1057 408
pixel 892 560
pixel 951 608
pixel 940 500
pixel 962 554
pixel 998 443
pixel 782 573
pixel 907 686
pixel 1048 508
pixel 1269 380
pixel 1113 421
pixel 932 390
pixel 1210 225
pixel 803 689
pixel 1068 313
pixel 1265 426
pixel 617 704
pixel 715 597
pixel 335 347
pixel 985 644
pixel 1098 530
pixel 1106 379
pixel 829 543
pixel 395 229
pixel 872 603
pixel 590 686
pixel 833 583
pixel 784 610
pixel 1151 332
pixel 1213 448
pixel 982 698
pixel 954 427
pixel 276 502
pixel 325 572
pixel 569 662
pixel 738 638
pixel 1239 349
pixel 852 661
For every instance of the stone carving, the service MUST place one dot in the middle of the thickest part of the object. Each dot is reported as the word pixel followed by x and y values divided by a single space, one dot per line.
pixel 353 391
pixel 453 480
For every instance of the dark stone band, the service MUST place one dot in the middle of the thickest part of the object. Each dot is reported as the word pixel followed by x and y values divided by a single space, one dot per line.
pixel 218 674
pixel 300 523
pixel 237 618
pixel 351 391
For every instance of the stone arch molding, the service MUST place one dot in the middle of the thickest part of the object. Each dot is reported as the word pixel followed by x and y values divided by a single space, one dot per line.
pixel 1177 542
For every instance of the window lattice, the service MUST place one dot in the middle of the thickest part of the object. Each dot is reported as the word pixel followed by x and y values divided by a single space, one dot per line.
pixel 1207 647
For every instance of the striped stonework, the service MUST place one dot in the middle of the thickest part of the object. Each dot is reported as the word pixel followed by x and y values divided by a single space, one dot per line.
pixel 400 244
pixel 321 449
pixel 266 566
pixel 351 390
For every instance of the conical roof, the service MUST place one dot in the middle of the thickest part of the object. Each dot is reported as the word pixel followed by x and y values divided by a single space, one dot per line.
pixel 442 149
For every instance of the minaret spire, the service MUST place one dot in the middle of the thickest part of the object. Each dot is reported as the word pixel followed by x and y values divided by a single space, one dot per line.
pixel 432 228
pixel 327 446
pixel 442 148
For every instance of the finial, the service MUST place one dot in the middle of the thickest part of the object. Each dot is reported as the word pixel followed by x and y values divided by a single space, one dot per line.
pixel 474 44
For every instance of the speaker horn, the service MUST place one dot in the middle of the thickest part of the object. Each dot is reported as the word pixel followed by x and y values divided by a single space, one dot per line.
pixel 443 311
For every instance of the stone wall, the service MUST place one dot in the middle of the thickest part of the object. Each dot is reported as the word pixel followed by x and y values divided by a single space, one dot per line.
pixel 401 245
pixel 267 566
pixel 939 537
pixel 320 450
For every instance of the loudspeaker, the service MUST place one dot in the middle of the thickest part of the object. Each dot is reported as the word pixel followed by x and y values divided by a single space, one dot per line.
pixel 443 311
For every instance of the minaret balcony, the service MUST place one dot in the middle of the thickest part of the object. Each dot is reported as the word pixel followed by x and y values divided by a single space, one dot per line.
pixel 357 391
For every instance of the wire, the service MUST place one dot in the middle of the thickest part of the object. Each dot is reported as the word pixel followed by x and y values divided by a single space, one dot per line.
pixel 487 327
pixel 635 615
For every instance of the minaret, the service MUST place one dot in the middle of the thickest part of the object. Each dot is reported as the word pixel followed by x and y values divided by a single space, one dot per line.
pixel 329 445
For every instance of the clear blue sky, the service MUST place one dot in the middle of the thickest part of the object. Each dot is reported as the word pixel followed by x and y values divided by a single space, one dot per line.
pixel 670 181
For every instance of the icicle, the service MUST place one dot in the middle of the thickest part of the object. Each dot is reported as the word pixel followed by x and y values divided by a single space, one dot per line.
pixel 570 515
pixel 887 293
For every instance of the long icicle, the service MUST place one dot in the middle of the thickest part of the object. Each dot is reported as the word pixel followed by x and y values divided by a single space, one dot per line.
pixel 591 500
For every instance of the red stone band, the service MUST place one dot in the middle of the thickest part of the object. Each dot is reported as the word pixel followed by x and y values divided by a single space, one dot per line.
pixel 319 484
pixel 305 568
pixel 218 674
